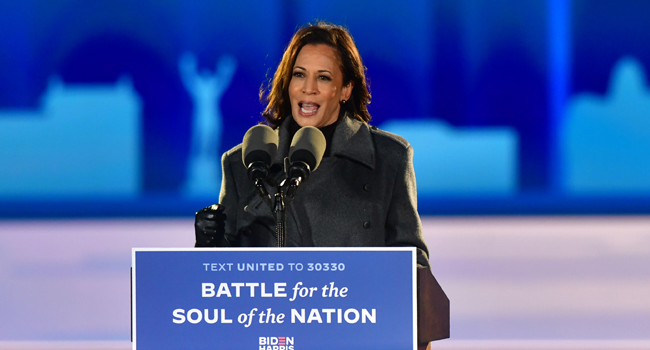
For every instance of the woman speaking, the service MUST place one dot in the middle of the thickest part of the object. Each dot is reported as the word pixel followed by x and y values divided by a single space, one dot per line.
pixel 362 194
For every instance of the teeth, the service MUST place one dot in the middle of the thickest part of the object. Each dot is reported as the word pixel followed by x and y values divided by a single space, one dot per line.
pixel 308 107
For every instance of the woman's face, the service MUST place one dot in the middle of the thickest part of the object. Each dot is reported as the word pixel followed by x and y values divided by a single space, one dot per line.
pixel 316 86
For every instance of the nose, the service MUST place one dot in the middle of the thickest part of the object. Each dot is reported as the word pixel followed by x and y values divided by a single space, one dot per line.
pixel 310 87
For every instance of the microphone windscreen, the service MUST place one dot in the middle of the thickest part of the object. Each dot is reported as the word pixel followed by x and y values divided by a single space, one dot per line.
pixel 308 145
pixel 260 144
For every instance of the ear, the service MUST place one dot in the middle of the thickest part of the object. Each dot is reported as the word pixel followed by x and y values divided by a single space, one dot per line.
pixel 347 90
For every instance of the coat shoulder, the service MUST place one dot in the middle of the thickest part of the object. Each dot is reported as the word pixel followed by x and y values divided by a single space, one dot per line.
pixel 234 153
pixel 389 140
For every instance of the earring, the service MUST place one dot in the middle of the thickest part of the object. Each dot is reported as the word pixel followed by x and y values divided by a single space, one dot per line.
pixel 343 101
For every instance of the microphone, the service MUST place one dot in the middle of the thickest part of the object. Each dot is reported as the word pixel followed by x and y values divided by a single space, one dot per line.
pixel 259 148
pixel 305 154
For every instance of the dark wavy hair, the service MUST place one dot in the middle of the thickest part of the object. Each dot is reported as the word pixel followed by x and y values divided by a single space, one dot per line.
pixel 276 92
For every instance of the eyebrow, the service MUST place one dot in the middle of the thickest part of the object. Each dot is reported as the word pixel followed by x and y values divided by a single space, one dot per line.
pixel 320 71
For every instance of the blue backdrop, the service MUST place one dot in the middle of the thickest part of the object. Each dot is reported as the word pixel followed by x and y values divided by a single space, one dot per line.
pixel 513 107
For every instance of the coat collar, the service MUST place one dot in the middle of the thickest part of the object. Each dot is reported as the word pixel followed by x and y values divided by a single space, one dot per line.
pixel 351 139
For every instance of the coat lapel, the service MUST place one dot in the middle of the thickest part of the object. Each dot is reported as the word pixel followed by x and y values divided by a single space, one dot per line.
pixel 352 139
pixel 284 140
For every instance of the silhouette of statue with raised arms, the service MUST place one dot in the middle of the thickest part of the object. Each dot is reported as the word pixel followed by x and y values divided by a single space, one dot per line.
pixel 206 89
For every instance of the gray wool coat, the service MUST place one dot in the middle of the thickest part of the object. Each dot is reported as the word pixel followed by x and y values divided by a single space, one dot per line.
pixel 363 195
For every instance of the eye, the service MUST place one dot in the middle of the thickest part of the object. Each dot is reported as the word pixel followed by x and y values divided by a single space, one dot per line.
pixel 298 74
pixel 324 77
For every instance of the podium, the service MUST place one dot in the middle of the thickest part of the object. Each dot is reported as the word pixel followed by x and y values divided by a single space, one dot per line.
pixel 433 309
pixel 284 299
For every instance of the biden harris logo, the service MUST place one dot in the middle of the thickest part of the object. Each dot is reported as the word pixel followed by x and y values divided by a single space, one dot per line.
pixel 276 343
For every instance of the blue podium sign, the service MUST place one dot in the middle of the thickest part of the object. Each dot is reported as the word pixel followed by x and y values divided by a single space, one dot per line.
pixel 274 299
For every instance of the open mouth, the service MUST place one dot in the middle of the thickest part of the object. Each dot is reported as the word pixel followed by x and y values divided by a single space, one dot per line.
pixel 308 108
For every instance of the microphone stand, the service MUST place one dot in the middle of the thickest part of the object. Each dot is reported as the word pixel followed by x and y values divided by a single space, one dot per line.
pixel 280 217
pixel 278 206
